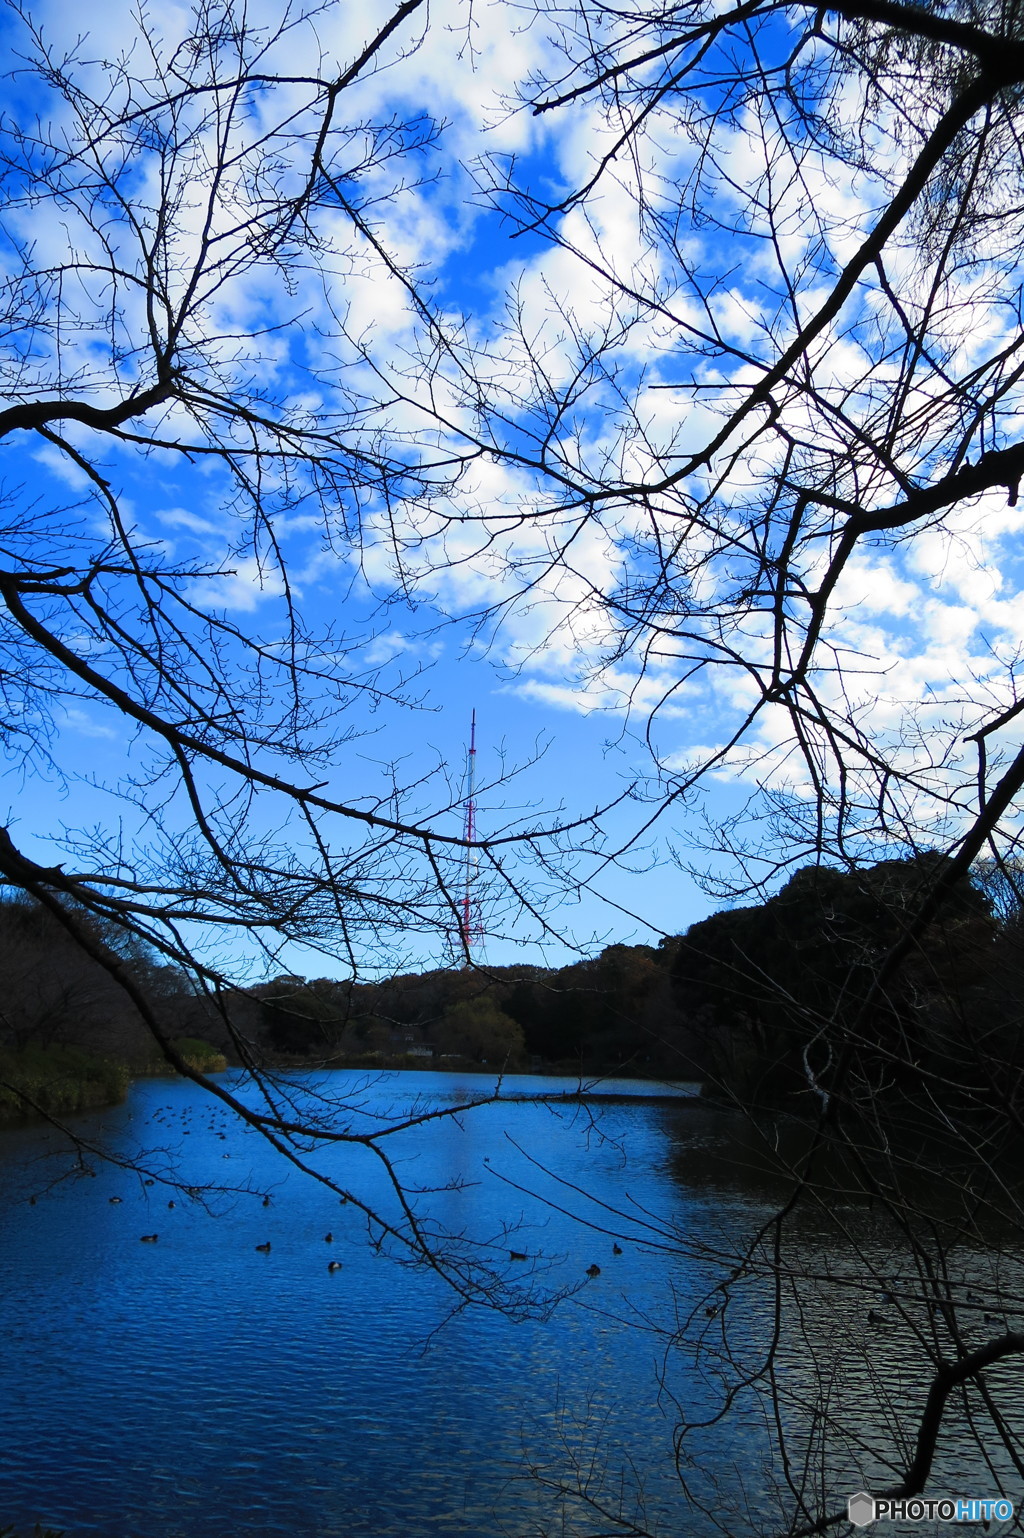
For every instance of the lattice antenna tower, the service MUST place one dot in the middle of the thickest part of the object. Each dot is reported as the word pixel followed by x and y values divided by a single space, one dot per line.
pixel 470 928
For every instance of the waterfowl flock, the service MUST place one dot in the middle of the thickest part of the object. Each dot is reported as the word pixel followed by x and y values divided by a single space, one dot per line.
pixel 183 1123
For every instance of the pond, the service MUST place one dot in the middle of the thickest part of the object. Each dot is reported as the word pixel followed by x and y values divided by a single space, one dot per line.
pixel 202 1384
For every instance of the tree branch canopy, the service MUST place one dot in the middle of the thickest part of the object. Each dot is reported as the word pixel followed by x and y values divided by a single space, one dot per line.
pixel 724 441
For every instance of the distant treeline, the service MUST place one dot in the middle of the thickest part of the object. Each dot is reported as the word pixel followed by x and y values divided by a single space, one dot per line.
pixel 615 1011
pixel 751 1000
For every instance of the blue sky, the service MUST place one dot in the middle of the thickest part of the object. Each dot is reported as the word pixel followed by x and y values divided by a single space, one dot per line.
pixel 568 762
pixel 930 631
pixel 584 757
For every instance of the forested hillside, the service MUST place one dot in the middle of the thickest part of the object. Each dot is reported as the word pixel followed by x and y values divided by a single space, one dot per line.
pixel 70 1036
pixel 755 1000
pixel 829 972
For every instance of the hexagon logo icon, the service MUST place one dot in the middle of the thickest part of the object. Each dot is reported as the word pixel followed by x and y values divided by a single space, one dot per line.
pixel 860 1508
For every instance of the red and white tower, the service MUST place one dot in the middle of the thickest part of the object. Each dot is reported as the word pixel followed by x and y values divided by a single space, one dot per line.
pixel 469 926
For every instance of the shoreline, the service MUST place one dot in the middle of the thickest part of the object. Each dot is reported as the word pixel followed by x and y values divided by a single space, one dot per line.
pixel 74 1082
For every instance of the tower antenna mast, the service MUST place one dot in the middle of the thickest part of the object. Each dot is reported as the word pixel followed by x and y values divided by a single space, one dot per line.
pixel 470 926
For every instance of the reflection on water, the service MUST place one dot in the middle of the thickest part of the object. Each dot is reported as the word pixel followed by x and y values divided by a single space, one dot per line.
pixel 197 1386
pixel 844 1312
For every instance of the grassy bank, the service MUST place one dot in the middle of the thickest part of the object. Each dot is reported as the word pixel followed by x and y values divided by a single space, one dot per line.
pixel 198 1054
pixel 56 1081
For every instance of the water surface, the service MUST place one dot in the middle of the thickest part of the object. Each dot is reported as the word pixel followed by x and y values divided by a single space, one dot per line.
pixel 196 1387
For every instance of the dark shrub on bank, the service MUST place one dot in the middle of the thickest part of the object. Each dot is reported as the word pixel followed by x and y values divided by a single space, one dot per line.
pixel 200 1055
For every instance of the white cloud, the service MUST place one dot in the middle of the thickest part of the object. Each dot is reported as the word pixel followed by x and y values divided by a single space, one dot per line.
pixel 245 588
